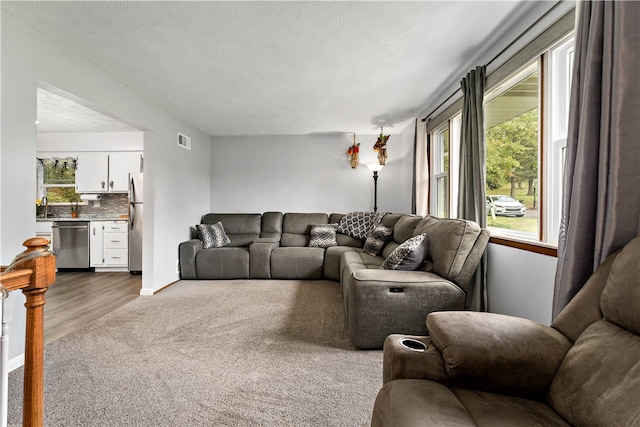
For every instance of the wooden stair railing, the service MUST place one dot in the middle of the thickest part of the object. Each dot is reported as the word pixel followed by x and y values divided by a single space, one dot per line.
pixel 33 271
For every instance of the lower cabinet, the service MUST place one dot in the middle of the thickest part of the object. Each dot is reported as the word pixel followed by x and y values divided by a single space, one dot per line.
pixel 43 229
pixel 109 244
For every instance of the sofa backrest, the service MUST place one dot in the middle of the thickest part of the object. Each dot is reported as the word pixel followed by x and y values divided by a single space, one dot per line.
pixel 241 228
pixel 403 229
pixel 271 225
pixel 296 228
pixel 598 381
pixel 455 247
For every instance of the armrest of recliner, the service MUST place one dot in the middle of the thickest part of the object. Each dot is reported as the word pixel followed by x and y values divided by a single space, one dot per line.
pixel 260 257
pixel 498 353
pixel 187 255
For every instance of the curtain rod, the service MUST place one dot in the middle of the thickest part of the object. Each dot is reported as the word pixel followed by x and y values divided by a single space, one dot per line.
pixel 514 41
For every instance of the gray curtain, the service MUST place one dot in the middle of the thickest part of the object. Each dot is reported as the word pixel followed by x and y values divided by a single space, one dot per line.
pixel 471 196
pixel 601 201
pixel 414 202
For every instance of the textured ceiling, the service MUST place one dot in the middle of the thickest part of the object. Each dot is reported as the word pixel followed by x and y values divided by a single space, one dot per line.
pixel 277 68
pixel 57 113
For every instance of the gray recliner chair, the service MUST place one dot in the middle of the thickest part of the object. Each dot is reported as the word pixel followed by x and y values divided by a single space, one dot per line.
pixel 483 369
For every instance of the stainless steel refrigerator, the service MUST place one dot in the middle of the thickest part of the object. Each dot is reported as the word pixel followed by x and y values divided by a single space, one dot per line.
pixel 135 223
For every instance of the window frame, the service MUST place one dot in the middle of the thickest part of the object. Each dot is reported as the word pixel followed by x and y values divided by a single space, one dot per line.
pixel 439 170
pixel 556 39
pixel 42 186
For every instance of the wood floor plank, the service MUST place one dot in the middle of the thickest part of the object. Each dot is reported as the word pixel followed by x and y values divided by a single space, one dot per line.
pixel 78 298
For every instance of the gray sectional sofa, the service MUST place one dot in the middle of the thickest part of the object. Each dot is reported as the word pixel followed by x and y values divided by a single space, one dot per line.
pixel 378 302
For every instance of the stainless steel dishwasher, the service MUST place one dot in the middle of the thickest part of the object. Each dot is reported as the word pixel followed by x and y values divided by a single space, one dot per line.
pixel 71 244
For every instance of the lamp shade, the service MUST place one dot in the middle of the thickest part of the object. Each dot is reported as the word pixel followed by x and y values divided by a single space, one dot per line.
pixel 375 167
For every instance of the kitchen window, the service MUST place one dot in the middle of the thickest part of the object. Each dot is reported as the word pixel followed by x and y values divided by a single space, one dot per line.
pixel 56 177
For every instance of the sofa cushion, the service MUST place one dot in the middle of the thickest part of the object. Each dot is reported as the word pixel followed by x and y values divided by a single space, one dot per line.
pixel 598 381
pixel 212 235
pixel 331 265
pixel 297 263
pixel 455 239
pixel 323 235
pixel 494 410
pixel 241 228
pixel 408 256
pixel 359 224
pixel 222 263
pixel 296 228
pixel 377 239
pixel 418 403
pixel 621 295
pixel 271 225
pixel 405 228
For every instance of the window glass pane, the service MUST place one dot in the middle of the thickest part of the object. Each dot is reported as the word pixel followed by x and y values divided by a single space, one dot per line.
pixel 57 178
pixel 440 195
pixel 512 123
pixel 61 194
pixel 59 170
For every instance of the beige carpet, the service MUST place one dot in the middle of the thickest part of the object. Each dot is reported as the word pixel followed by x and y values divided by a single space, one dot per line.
pixel 214 353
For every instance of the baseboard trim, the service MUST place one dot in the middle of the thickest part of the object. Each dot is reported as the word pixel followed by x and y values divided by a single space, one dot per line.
pixel 146 292
pixel 16 362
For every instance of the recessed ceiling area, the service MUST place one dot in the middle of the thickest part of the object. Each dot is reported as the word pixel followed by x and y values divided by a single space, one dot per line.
pixel 278 68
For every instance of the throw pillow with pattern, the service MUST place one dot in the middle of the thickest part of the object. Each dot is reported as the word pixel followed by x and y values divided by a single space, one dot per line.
pixel 410 255
pixel 212 235
pixel 323 235
pixel 359 224
pixel 379 237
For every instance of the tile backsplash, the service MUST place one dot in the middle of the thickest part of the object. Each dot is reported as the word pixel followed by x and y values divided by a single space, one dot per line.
pixel 110 205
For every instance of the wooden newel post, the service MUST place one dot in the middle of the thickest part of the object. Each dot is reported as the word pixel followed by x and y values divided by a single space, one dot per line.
pixel 44 275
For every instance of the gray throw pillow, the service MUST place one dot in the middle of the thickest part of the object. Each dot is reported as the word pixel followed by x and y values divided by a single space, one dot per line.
pixel 379 237
pixel 410 255
pixel 323 235
pixel 212 235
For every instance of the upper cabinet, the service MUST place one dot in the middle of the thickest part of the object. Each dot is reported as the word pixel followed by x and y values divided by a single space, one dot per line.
pixel 106 172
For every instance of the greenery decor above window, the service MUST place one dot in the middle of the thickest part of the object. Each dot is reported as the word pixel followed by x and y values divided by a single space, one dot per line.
pixel 57 179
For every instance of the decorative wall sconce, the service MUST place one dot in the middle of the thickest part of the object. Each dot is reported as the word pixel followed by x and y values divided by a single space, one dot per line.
pixel 354 153
pixel 375 168
pixel 381 147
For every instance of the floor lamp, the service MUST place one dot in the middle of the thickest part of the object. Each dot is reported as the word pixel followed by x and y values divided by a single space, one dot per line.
pixel 375 168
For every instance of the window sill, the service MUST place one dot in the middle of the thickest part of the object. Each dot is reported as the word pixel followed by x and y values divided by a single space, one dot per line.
pixel 537 247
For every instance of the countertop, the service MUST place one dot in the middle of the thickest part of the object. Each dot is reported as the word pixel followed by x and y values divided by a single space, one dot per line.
pixel 85 218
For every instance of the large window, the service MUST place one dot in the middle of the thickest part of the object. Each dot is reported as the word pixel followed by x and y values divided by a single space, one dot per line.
pixel 512 135
pixel 526 117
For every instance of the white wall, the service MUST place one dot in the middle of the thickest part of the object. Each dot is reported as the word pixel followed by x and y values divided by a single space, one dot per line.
pixel 176 180
pixel 90 141
pixel 520 283
pixel 308 173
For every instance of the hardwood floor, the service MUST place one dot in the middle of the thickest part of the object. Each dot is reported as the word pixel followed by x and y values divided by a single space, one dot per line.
pixel 78 298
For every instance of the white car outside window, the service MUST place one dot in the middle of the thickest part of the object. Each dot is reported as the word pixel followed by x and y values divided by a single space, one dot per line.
pixel 501 205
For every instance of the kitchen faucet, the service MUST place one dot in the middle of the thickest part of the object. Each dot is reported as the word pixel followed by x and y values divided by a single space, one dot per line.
pixel 45 203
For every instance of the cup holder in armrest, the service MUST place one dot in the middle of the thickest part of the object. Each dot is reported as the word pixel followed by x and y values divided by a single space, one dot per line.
pixel 413 344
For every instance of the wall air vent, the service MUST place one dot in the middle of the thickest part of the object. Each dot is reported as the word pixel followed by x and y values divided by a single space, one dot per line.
pixel 184 141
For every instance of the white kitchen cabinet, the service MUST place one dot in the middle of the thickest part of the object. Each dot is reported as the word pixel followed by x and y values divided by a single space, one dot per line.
pixel 96 245
pixel 44 229
pixel 100 172
pixel 109 244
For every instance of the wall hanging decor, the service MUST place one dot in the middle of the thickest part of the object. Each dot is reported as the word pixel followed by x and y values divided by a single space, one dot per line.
pixel 354 153
pixel 381 147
